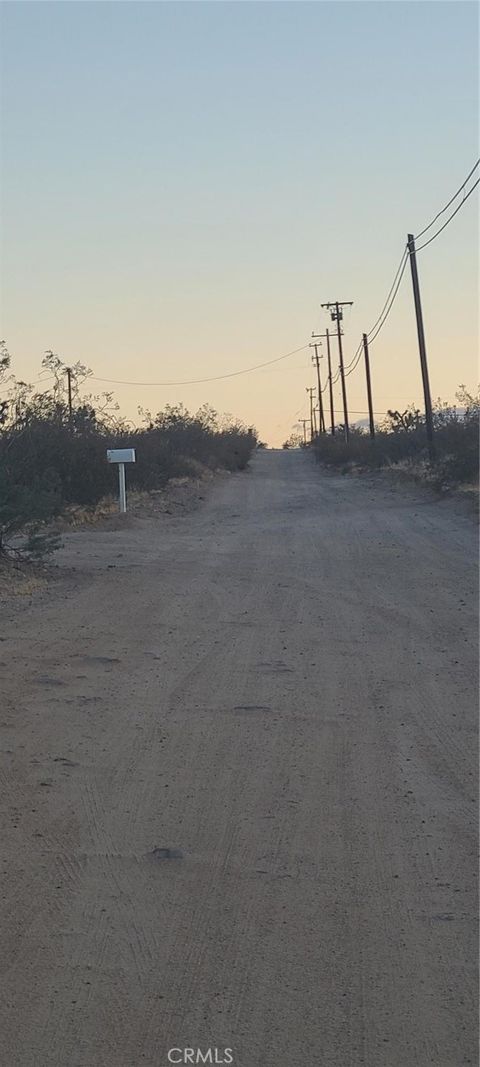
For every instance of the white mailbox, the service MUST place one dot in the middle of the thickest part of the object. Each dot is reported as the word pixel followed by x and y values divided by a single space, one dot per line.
pixel 121 456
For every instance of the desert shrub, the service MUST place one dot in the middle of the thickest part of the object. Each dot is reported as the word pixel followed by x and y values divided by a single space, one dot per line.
pixel 47 448
pixel 24 509
pixel 294 441
pixel 51 457
pixel 402 437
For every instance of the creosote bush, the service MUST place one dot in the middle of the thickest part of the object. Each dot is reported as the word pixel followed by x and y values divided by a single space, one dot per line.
pixel 51 457
pixel 402 438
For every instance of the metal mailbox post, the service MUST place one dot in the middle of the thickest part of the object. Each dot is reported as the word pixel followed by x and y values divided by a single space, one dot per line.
pixel 121 456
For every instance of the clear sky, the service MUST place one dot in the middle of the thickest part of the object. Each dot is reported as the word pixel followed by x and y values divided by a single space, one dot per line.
pixel 185 183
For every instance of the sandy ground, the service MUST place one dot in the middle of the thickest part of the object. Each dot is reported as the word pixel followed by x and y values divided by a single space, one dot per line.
pixel 238 781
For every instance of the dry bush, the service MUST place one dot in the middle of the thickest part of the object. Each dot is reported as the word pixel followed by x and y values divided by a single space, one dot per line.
pixel 52 459
pixel 402 440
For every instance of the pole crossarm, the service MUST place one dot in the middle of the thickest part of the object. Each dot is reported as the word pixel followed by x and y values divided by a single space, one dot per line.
pixel 322 335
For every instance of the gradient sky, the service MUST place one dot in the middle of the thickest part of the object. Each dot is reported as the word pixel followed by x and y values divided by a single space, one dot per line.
pixel 185 183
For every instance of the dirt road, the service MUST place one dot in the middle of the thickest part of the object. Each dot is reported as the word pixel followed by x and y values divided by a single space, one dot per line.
pixel 239 785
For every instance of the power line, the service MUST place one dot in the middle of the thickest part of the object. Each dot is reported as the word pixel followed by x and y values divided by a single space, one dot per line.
pixel 384 312
pixel 399 275
pixel 404 261
pixel 355 365
pixel 355 356
pixel 372 335
pixel 387 307
pixel 404 256
pixel 444 209
pixel 200 381
pixel 353 412
pixel 452 216
pixel 392 301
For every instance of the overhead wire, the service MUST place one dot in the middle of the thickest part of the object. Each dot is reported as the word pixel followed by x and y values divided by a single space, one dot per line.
pixel 392 301
pixel 347 365
pixel 400 266
pixel 355 365
pixel 452 216
pixel 406 257
pixel 444 209
pixel 389 302
pixel 200 381
pixel 372 334
pixel 353 411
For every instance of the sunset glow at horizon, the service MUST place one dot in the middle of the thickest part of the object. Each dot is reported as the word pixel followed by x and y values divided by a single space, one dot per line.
pixel 184 184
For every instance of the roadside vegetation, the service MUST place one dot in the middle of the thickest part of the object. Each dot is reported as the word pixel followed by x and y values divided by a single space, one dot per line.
pixel 53 453
pixel 400 443
pixel 294 441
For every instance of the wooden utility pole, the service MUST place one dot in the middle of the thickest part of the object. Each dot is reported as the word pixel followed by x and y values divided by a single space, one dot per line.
pixel 304 423
pixel 330 385
pixel 369 386
pixel 312 414
pixel 330 380
pixel 316 359
pixel 422 347
pixel 337 316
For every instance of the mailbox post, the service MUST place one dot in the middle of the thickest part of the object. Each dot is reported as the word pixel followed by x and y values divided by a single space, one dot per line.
pixel 121 456
pixel 122 489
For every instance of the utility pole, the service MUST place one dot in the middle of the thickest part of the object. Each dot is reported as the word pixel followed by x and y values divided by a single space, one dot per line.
pixel 304 423
pixel 422 347
pixel 312 414
pixel 330 384
pixel 330 380
pixel 70 405
pixel 337 316
pixel 316 359
pixel 369 386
